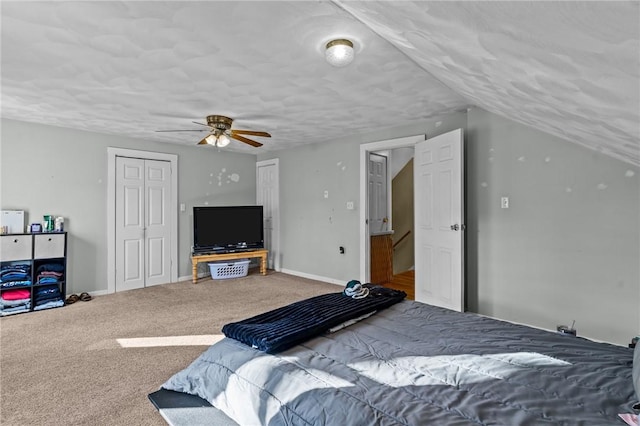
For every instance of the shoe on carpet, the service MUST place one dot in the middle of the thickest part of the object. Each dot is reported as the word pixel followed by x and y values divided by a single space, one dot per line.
pixel 85 297
pixel 72 299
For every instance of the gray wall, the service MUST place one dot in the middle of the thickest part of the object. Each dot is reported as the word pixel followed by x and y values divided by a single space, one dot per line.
pixel 313 227
pixel 53 170
pixel 568 246
pixel 399 158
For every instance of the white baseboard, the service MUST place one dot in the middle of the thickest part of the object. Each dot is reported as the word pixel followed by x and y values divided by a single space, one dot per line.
pixel 188 277
pixel 313 277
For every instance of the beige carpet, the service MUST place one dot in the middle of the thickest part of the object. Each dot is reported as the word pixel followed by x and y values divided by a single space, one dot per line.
pixel 65 367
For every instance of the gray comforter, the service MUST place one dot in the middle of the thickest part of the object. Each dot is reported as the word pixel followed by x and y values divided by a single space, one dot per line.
pixel 415 364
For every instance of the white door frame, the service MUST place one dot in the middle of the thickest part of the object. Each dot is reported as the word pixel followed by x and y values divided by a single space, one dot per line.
pixel 365 267
pixel 112 153
pixel 275 218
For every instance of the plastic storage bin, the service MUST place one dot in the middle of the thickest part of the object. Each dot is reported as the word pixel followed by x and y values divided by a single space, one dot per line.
pixel 227 269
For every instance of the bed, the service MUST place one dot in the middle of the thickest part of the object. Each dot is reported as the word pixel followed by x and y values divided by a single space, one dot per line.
pixel 416 364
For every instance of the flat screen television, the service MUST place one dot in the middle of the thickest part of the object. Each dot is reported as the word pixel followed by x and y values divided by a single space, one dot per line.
pixel 223 229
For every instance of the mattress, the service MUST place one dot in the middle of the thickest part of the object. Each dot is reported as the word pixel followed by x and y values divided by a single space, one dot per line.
pixel 416 364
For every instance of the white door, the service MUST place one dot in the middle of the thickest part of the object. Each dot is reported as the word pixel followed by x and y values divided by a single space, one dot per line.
pixel 378 201
pixel 143 234
pixel 268 196
pixel 157 223
pixel 439 221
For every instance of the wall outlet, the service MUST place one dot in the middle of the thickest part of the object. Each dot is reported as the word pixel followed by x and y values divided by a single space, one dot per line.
pixel 326 194
pixel 563 329
pixel 349 205
pixel 341 250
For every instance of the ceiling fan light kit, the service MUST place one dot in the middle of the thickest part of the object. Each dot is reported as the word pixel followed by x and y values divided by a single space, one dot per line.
pixel 220 140
pixel 339 52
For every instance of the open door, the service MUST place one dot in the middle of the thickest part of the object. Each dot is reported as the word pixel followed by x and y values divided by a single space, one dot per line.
pixel 439 221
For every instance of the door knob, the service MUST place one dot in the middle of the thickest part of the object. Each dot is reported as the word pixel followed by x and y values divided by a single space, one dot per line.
pixel 457 227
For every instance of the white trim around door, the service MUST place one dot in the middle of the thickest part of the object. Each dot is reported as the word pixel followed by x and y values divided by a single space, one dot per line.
pixel 112 153
pixel 365 149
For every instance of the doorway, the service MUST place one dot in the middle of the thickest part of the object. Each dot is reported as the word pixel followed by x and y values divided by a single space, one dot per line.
pixel 365 229
pixel 438 212
pixel 402 211
pixel 390 218
pixel 142 220
pixel 268 196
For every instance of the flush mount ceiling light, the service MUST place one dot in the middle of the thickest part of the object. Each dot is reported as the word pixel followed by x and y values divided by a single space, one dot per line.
pixel 339 52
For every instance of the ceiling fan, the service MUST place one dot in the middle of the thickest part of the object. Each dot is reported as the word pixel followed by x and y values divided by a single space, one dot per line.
pixel 220 132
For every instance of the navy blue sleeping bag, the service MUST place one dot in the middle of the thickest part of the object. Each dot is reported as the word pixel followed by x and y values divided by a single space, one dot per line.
pixel 285 327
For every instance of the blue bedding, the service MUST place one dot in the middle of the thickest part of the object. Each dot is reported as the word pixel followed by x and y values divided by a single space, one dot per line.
pixel 285 327
pixel 416 364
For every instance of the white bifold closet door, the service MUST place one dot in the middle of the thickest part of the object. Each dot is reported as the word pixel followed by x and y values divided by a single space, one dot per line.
pixel 143 235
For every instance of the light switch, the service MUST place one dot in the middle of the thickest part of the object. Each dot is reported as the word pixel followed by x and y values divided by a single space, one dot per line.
pixel 326 194
pixel 182 207
pixel 504 202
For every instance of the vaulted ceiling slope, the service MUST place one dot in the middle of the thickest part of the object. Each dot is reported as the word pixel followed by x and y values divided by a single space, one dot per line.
pixel 571 69
pixel 130 68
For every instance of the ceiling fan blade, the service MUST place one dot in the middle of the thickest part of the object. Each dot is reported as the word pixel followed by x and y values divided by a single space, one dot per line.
pixel 189 130
pixel 203 142
pixel 250 132
pixel 202 124
pixel 245 140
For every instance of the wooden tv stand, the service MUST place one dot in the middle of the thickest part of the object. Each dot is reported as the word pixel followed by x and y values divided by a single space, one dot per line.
pixel 197 258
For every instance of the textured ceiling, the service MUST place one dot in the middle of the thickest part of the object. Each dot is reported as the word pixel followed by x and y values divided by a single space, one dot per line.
pixel 571 69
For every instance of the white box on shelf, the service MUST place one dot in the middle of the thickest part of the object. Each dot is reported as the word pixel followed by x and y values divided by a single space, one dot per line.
pixel 229 269
pixel 13 220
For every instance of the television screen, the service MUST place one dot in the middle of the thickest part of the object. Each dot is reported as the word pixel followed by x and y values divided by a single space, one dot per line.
pixel 228 228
